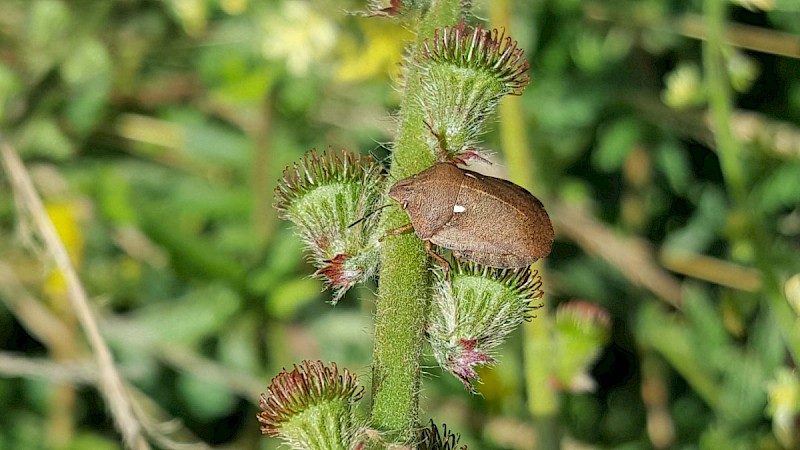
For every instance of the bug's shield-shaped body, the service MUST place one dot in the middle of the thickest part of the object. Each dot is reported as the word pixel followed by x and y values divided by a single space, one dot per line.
pixel 484 219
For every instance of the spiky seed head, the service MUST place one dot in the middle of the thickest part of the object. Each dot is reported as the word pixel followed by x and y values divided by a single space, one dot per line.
pixel 432 439
pixel 401 8
pixel 492 52
pixel 312 402
pixel 587 318
pixel 325 195
pixel 474 312
pixel 582 329
pixel 464 71
pixel 394 8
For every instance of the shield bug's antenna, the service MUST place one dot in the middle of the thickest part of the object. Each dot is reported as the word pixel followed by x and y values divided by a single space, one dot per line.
pixel 367 215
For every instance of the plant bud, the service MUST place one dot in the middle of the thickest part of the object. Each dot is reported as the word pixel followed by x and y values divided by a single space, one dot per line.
pixel 312 407
pixel 474 313
pixel 582 330
pixel 464 72
pixel 323 196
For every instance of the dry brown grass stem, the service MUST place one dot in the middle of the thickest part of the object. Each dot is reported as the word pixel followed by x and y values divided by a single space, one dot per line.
pixel 77 373
pixel 693 26
pixel 111 385
pixel 632 256
pixel 246 386
pixel 158 424
pixel 778 138
pixel 714 270
pixel 37 319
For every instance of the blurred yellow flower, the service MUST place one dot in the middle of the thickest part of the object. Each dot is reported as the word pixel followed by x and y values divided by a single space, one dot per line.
pixel 234 7
pixel 65 217
pixel 299 35
pixel 193 14
pixel 381 54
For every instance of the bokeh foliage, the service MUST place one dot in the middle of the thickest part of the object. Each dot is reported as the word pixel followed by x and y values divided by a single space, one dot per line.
pixel 155 131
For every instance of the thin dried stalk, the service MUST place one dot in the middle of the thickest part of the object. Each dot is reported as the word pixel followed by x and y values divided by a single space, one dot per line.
pixel 111 385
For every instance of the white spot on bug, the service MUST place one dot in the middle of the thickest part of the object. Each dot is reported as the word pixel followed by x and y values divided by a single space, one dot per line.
pixel 470 175
pixel 458 209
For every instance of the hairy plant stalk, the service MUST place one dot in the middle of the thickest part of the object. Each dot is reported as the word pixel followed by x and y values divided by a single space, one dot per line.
pixel 404 290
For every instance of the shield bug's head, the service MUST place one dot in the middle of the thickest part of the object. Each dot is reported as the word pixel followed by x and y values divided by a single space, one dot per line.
pixel 428 197
pixel 403 192
pixel 440 180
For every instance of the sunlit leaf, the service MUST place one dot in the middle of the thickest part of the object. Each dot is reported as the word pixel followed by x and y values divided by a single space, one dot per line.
pixel 615 142
pixel 204 399
pixel 674 164
pixel 200 313
pixel 780 189
pixel 92 441
pixel 286 298
pixel 42 137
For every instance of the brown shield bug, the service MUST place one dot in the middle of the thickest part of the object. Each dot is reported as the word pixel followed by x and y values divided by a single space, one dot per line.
pixel 484 219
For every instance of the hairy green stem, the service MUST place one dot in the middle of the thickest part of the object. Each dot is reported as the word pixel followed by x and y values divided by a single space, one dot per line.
pixel 405 285
pixel 720 102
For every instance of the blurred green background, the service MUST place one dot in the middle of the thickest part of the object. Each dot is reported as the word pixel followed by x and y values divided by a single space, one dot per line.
pixel 155 130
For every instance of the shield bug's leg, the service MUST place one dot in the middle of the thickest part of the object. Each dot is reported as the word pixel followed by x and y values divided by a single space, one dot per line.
pixel 444 154
pixel 399 230
pixel 445 265
pixel 441 143
pixel 471 154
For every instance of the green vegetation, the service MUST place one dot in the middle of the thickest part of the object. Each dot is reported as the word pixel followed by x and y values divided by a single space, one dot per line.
pixel 662 136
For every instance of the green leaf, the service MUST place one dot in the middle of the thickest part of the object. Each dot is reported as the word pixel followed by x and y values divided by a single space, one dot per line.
pixel 743 396
pixel 196 198
pixel 48 35
pixel 87 104
pixel 615 142
pixel 705 225
pixel 766 342
pixel 664 333
pixel 24 431
pixel 596 52
pixel 353 330
pixel 288 297
pixel 204 399
pixel 237 74
pixel 719 437
pixel 586 278
pixel 290 248
pixel 208 141
pixel 10 87
pixel 42 137
pixel 781 189
pixel 235 348
pixel 674 163
pixel 561 107
pixel 114 194
pixel 202 312
pixel 709 337
pixel 93 441
pixel 192 252
pixel 87 61
pixel 786 15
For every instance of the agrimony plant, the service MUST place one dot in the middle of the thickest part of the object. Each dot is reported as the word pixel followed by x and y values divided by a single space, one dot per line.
pixel 454 77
